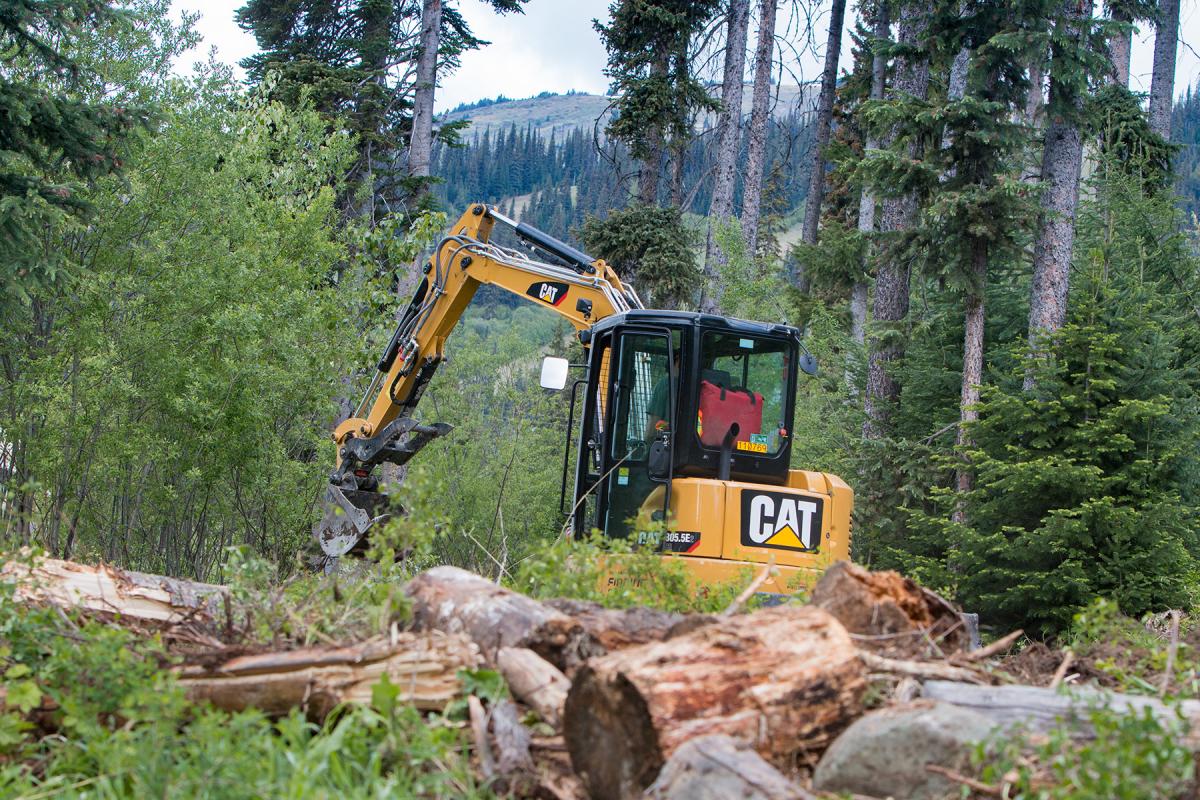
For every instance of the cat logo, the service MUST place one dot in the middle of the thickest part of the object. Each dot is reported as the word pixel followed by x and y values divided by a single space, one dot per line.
pixel 784 521
pixel 551 292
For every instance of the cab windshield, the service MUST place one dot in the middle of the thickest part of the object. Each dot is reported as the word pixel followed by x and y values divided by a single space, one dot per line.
pixel 743 390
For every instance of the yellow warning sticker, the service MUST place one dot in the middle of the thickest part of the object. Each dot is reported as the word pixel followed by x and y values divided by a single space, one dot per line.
pixel 752 447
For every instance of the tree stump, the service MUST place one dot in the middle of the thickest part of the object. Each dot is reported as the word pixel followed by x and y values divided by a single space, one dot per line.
pixel 456 601
pixel 785 680
pixel 885 604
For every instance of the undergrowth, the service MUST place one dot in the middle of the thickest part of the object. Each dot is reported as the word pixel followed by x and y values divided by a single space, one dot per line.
pixel 1133 756
pixel 91 712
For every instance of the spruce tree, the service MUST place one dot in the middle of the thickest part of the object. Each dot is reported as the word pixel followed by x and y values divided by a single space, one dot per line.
pixel 342 56
pixel 53 138
pixel 653 80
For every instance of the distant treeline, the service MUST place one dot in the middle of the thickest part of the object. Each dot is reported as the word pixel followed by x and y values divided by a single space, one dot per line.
pixel 556 181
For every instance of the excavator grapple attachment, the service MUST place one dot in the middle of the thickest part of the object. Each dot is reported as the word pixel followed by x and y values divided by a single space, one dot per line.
pixel 352 505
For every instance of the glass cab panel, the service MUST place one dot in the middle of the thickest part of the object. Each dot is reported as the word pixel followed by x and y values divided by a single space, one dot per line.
pixel 640 415
pixel 742 392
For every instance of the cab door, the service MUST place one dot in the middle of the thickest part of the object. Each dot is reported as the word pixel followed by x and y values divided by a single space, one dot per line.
pixel 643 405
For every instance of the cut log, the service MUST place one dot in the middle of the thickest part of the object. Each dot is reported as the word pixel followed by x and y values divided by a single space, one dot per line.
pixel 785 680
pixel 886 604
pixel 535 682
pixel 424 667
pixel 456 601
pixel 718 767
pixel 113 593
pixel 1041 710
pixel 616 629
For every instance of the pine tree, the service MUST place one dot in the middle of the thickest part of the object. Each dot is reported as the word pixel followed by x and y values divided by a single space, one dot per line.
pixel 653 80
pixel 729 135
pixel 53 137
pixel 342 56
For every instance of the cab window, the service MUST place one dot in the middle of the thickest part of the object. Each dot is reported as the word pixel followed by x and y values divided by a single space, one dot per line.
pixel 742 392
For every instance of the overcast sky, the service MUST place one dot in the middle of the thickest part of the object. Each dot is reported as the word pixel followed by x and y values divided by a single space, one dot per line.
pixel 553 47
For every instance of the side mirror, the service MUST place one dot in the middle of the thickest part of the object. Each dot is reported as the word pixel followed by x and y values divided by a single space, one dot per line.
pixel 554 373
pixel 808 364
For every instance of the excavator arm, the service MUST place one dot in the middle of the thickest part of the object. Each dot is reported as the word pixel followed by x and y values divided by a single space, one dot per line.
pixel 382 430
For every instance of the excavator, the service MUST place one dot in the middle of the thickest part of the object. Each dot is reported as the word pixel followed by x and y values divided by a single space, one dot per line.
pixel 685 430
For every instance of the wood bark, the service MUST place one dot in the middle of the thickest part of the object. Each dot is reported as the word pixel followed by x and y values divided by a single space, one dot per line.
pixel 423 666
pixel 130 598
pixel 760 118
pixel 456 601
pixel 1042 710
pixel 729 129
pixel 719 767
pixel 420 147
pixel 514 761
pixel 535 682
pixel 972 372
pixel 786 680
pixel 823 123
pixel 1119 48
pixel 617 628
pixel 1162 80
pixel 1033 101
pixel 1062 160
pixel 898 215
pixel 866 200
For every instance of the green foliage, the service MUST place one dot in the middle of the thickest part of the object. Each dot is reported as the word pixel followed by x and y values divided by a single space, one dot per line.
pixel 1132 756
pixel 176 399
pixel 1132 656
pixel 651 68
pixel 651 247
pixel 125 731
pixel 618 574
pixel 1076 492
pixel 60 132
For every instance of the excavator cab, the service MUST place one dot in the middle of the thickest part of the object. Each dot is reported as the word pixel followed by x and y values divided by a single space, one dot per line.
pixel 685 444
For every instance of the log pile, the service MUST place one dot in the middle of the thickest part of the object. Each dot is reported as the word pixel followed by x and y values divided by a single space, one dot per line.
pixel 615 703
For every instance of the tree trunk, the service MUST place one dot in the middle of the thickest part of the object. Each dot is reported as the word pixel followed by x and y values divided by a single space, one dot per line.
pixel 134 599
pixel 1033 101
pixel 824 121
pixel 1119 47
pixel 454 600
pixel 866 201
pixel 718 767
pixel 679 147
pixel 1162 82
pixel 650 172
pixel 972 372
pixel 729 129
pixel 424 667
pixel 1062 159
pixel 618 628
pixel 785 680
pixel 420 147
pixel 892 275
pixel 756 149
